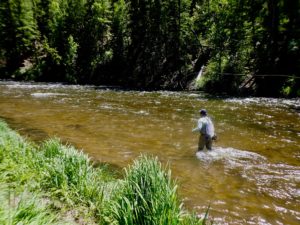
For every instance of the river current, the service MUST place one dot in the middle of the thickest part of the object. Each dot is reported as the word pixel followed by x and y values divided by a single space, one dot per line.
pixel 252 176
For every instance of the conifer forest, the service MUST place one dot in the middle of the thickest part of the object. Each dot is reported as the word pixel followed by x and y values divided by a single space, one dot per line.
pixel 244 46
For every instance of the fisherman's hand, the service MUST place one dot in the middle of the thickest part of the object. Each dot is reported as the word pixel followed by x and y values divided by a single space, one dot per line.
pixel 215 137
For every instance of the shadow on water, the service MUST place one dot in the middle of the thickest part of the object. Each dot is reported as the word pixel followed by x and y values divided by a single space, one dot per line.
pixel 75 126
pixel 38 136
pixel 33 134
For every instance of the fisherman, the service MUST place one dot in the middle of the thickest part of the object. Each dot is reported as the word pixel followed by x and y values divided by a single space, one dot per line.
pixel 207 131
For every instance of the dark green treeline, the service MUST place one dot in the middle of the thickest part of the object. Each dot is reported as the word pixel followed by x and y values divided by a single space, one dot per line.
pixel 153 44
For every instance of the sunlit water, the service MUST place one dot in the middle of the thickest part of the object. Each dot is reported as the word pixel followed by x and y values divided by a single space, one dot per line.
pixel 251 177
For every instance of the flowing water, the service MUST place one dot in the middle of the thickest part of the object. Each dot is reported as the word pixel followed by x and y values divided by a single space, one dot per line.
pixel 251 177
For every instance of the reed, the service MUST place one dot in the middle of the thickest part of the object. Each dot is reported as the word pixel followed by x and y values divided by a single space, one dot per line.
pixel 26 208
pixel 68 180
pixel 148 195
pixel 70 176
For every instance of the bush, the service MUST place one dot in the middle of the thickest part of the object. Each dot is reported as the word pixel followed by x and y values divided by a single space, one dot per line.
pixel 223 75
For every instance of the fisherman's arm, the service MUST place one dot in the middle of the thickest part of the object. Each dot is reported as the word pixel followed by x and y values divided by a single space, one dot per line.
pixel 199 126
pixel 195 129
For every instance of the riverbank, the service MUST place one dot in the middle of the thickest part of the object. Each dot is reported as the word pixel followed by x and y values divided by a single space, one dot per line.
pixel 52 183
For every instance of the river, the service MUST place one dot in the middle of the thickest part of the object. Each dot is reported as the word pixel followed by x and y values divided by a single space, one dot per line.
pixel 251 177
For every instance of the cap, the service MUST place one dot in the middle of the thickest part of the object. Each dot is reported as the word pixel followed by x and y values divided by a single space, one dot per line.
pixel 203 112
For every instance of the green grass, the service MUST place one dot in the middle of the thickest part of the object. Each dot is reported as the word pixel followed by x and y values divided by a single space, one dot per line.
pixel 54 183
pixel 148 196
pixel 26 208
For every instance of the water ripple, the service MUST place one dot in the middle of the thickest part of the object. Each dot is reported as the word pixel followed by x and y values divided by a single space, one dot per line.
pixel 290 103
pixel 45 95
pixel 258 170
pixel 229 154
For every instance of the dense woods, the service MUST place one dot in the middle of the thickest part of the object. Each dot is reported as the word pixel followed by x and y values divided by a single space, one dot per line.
pixel 154 44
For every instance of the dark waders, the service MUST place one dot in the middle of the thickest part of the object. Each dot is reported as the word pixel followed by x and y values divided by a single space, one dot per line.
pixel 204 140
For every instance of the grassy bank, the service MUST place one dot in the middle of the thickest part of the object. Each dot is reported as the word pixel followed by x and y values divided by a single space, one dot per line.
pixel 53 183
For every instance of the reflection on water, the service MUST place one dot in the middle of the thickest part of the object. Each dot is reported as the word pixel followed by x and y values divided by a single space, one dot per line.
pixel 251 177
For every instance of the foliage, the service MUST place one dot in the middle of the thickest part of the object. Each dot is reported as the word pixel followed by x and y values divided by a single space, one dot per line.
pixel 290 88
pixel 152 43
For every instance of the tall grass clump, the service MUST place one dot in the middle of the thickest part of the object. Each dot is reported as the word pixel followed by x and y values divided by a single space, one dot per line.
pixel 26 208
pixel 69 175
pixel 59 172
pixel 148 196
pixel 15 158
